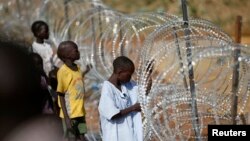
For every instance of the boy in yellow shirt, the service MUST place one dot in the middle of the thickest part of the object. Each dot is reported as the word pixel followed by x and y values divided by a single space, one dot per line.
pixel 70 90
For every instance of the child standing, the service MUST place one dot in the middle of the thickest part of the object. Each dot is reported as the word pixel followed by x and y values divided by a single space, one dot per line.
pixel 48 107
pixel 40 30
pixel 70 89
pixel 119 111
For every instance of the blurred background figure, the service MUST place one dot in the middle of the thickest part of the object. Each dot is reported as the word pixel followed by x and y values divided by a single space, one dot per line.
pixel 21 98
pixel 48 107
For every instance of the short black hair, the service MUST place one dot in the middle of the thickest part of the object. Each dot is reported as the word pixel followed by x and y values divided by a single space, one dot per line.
pixel 63 47
pixel 36 26
pixel 122 62
pixel 36 58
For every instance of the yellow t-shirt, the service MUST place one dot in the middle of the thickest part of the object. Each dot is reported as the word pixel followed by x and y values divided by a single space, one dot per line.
pixel 71 84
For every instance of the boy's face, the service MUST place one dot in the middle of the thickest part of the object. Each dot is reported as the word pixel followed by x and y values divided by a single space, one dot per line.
pixel 43 33
pixel 74 53
pixel 125 74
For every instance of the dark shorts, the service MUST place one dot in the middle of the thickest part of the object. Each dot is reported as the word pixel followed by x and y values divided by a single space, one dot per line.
pixel 79 127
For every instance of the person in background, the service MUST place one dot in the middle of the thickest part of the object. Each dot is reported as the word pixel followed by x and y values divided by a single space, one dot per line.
pixel 118 107
pixel 40 30
pixel 70 89
pixel 49 108
pixel 52 88
pixel 51 62
pixel 21 98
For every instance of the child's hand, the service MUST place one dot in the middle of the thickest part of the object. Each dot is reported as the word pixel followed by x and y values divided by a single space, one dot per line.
pixel 68 123
pixel 69 126
pixel 137 107
pixel 89 66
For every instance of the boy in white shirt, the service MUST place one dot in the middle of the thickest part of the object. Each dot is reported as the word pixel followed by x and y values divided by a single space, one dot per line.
pixel 119 111
pixel 40 30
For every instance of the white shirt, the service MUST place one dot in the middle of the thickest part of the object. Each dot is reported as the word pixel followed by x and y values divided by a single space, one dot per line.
pixel 127 128
pixel 46 52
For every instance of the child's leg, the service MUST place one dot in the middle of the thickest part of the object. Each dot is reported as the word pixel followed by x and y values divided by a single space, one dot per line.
pixel 80 127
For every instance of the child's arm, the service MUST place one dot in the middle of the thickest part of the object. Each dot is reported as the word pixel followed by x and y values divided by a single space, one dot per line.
pixel 89 66
pixel 124 112
pixel 65 113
